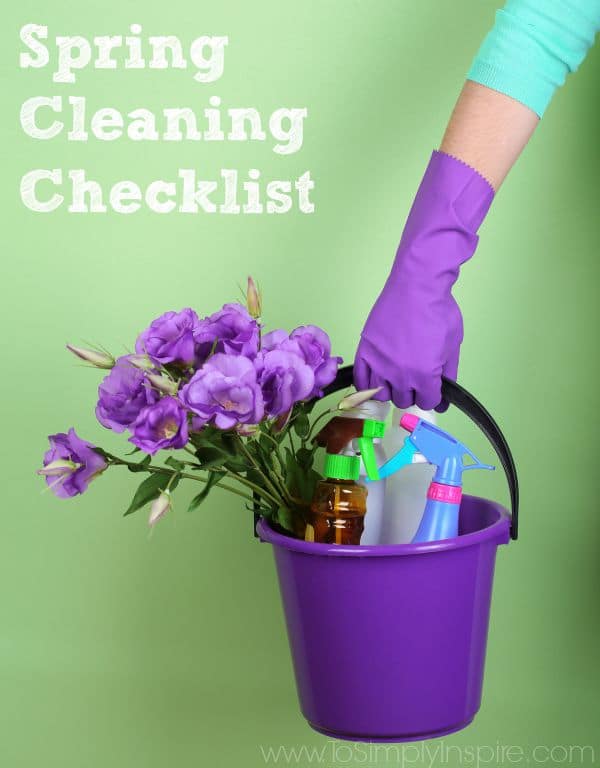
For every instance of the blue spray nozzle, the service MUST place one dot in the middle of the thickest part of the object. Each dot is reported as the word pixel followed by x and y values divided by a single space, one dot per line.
pixel 438 447
pixel 405 456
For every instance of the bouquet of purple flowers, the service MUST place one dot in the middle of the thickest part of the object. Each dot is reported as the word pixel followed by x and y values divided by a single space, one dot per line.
pixel 233 402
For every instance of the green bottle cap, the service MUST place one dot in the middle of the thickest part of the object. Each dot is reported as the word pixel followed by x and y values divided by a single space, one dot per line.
pixel 342 467
pixel 372 428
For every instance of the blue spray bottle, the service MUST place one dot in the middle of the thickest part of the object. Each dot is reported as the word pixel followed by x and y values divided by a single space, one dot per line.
pixel 440 518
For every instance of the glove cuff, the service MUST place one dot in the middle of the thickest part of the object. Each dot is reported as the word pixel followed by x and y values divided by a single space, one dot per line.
pixel 469 193
pixel 441 230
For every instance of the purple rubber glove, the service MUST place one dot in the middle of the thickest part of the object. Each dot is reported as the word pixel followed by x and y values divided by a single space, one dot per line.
pixel 413 333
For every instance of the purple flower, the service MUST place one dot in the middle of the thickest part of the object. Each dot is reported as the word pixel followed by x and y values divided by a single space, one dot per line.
pixel 311 344
pixel 161 425
pixel 316 348
pixel 122 395
pixel 279 339
pixel 70 464
pixel 224 389
pixel 285 379
pixel 233 330
pixel 170 338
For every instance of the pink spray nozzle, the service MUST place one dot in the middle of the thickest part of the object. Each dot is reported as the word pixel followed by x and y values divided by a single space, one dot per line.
pixel 437 447
pixel 409 421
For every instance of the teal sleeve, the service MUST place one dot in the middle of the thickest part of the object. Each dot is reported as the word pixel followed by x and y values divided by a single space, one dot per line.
pixel 533 46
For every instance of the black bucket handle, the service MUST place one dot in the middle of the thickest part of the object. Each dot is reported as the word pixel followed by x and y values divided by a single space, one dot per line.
pixel 458 396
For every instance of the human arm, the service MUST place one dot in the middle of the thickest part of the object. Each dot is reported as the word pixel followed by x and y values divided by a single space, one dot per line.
pixel 488 131
pixel 414 331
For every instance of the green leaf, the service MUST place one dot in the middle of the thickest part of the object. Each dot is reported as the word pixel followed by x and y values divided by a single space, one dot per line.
pixel 208 437
pixel 301 482
pixel 142 465
pixel 237 465
pixel 261 455
pixel 213 479
pixel 213 447
pixel 286 518
pixel 277 466
pixel 135 450
pixel 230 443
pixel 308 405
pixel 266 445
pixel 255 477
pixel 175 463
pixel 211 457
pixel 293 475
pixel 301 425
pixel 199 439
pixel 147 491
pixel 312 479
pixel 305 457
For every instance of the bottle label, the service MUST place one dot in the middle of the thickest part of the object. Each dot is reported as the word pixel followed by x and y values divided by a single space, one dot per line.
pixel 450 494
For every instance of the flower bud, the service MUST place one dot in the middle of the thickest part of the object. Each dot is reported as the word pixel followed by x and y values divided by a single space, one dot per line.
pixel 58 468
pixel 162 383
pixel 253 299
pixel 357 398
pixel 97 358
pixel 160 506
pixel 247 430
pixel 142 362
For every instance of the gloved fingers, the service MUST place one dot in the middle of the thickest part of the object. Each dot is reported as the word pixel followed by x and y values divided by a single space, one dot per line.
pixel 384 395
pixel 429 395
pixel 385 391
pixel 442 407
pixel 362 373
pixel 403 398
pixel 450 372
pixel 366 378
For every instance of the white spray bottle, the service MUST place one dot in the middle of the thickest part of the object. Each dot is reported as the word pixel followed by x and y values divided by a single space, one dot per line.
pixel 376 412
pixel 406 491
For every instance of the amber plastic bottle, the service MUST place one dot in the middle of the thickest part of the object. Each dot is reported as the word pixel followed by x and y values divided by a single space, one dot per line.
pixel 339 504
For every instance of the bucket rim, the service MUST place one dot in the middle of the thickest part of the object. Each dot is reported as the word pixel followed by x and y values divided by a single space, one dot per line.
pixel 498 531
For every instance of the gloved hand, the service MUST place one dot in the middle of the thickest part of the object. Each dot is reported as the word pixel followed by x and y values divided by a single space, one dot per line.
pixel 413 333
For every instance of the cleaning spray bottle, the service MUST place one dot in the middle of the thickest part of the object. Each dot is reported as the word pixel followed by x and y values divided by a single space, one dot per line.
pixel 360 431
pixel 339 503
pixel 440 448
pixel 405 491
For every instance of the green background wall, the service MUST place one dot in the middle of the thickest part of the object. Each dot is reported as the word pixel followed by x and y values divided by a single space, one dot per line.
pixel 117 649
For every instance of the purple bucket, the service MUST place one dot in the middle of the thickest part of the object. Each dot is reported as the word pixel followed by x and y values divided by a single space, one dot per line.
pixel 388 642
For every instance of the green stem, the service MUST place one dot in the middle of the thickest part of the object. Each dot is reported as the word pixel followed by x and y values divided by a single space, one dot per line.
pixel 292 446
pixel 164 471
pixel 170 483
pixel 272 439
pixel 261 491
pixel 280 480
pixel 192 464
pixel 252 460
pixel 282 487
pixel 238 477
